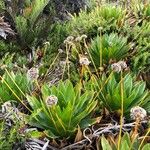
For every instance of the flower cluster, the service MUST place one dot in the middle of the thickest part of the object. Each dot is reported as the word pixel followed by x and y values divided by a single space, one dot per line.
pixel 80 38
pixel 51 100
pixel 138 113
pixel 33 74
pixel 119 66
pixel 84 61
pixel 69 40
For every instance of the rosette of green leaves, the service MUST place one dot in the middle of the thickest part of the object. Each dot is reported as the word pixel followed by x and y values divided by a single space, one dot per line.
pixel 110 46
pixel 109 92
pixel 73 109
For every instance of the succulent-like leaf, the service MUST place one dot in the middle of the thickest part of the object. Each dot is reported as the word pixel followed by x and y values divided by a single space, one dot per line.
pixel 113 47
pixel 105 144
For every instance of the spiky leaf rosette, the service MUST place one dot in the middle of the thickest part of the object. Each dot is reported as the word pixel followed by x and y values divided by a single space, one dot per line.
pixel 61 109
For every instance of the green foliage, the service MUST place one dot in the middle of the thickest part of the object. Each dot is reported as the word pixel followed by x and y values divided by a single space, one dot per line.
pixel 7 47
pixel 112 46
pixel 106 16
pixel 8 59
pixel 59 112
pixel 62 120
pixel 141 34
pixel 109 12
pixel 30 26
pixel 134 92
pixel 2 6
pixel 12 84
pixel 9 137
pixel 105 144
pixel 141 62
pixel 146 147
pixel 30 23
pixel 57 36
pixel 142 10
pixel 147 10
pixel 126 143
pixel 141 59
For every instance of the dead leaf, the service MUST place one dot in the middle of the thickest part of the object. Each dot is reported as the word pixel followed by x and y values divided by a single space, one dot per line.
pixel 79 135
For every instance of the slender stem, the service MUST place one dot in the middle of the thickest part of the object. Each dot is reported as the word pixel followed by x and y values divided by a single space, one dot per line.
pixel 14 82
pixel 101 53
pixel 101 88
pixel 67 59
pixel 37 84
pixel 135 132
pixel 66 62
pixel 51 65
pixel 91 57
pixel 144 139
pixel 121 118
pixel 14 93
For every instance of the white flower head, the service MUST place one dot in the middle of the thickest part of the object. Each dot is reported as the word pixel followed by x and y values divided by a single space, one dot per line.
pixel 138 113
pixel 60 51
pixel 33 73
pixel 116 67
pixel 65 41
pixel 51 100
pixel 123 64
pixel 70 38
pixel 63 63
pixel 84 36
pixel 78 39
pixel 47 43
pixel 68 42
pixel 101 69
pixel 100 28
pixel 84 61
pixel 6 107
